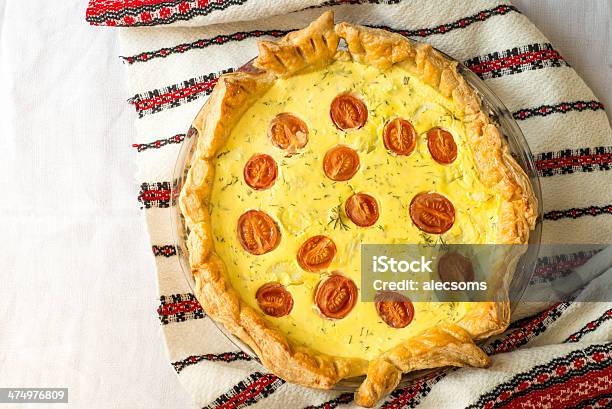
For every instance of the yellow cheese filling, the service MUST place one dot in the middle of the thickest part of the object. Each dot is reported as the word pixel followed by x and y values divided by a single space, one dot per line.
pixel 305 203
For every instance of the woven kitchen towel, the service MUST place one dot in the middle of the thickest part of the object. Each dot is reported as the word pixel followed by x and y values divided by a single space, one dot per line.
pixel 559 357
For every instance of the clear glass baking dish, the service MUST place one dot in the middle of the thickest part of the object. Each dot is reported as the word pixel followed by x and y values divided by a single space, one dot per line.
pixel 519 149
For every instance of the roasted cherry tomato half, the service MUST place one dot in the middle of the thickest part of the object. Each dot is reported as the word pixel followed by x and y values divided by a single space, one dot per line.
pixel 399 137
pixel 260 171
pixel 274 299
pixel 288 132
pixel 394 309
pixel 442 146
pixel 316 253
pixel 453 266
pixel 336 296
pixel 348 112
pixel 432 213
pixel 362 209
pixel 257 232
pixel 340 163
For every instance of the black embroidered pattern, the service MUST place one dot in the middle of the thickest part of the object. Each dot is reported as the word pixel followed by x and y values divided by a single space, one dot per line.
pixel 166 12
pixel 156 194
pixel 202 43
pixel 242 35
pixel 575 213
pixel 525 330
pixel 172 96
pixel 515 60
pixel 223 357
pixel 179 308
pixel 256 387
pixel 411 396
pixel 574 160
pixel 590 327
pixel 176 139
pixel 560 108
pixel 455 25
pixel 581 366
pixel 167 250
pixel 550 268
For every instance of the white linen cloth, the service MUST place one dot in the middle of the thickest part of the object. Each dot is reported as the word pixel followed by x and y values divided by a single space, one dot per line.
pixel 210 367
pixel 77 294
pixel 77 277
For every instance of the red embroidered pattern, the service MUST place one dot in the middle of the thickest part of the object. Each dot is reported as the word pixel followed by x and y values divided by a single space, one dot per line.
pixel 568 381
pixel 574 160
pixel 256 387
pixel 133 13
pixel 156 194
pixel 179 308
pixel 552 268
pixel 223 357
pixel 560 108
pixel 515 60
pixel 590 327
pixel 575 213
pixel 175 95
pixel 167 250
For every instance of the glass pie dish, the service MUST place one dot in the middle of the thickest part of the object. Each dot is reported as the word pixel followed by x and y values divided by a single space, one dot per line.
pixel 517 146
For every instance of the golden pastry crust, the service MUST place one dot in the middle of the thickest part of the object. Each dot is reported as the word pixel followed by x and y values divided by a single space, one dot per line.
pixel 312 48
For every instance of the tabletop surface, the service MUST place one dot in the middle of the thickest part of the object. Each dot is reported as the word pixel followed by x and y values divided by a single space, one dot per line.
pixel 78 282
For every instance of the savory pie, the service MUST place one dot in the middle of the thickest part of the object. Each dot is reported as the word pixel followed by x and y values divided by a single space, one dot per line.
pixel 311 151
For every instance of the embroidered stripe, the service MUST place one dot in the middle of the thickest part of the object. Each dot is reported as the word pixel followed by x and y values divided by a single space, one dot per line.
pixel 245 393
pixel 243 35
pixel 223 357
pixel 590 327
pixel 179 308
pixel 554 267
pixel 483 15
pixel 411 396
pixel 518 59
pixel 575 213
pixel 560 108
pixel 176 139
pixel 202 43
pixel 156 194
pixel 167 250
pixel 166 12
pixel 574 160
pixel 561 382
pixel 515 60
pixel 526 331
pixel 174 95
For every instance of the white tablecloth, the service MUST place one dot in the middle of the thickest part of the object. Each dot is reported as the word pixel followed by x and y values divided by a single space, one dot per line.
pixel 77 280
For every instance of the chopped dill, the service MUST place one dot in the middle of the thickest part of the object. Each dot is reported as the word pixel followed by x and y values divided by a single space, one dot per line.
pixel 335 219
pixel 231 182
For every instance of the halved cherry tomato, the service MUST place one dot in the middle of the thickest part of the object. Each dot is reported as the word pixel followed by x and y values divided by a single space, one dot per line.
pixel 289 132
pixel 274 299
pixel 316 253
pixel 348 112
pixel 257 232
pixel 432 212
pixel 395 310
pixel 340 163
pixel 362 209
pixel 453 266
pixel 260 171
pixel 336 296
pixel 441 145
pixel 399 137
